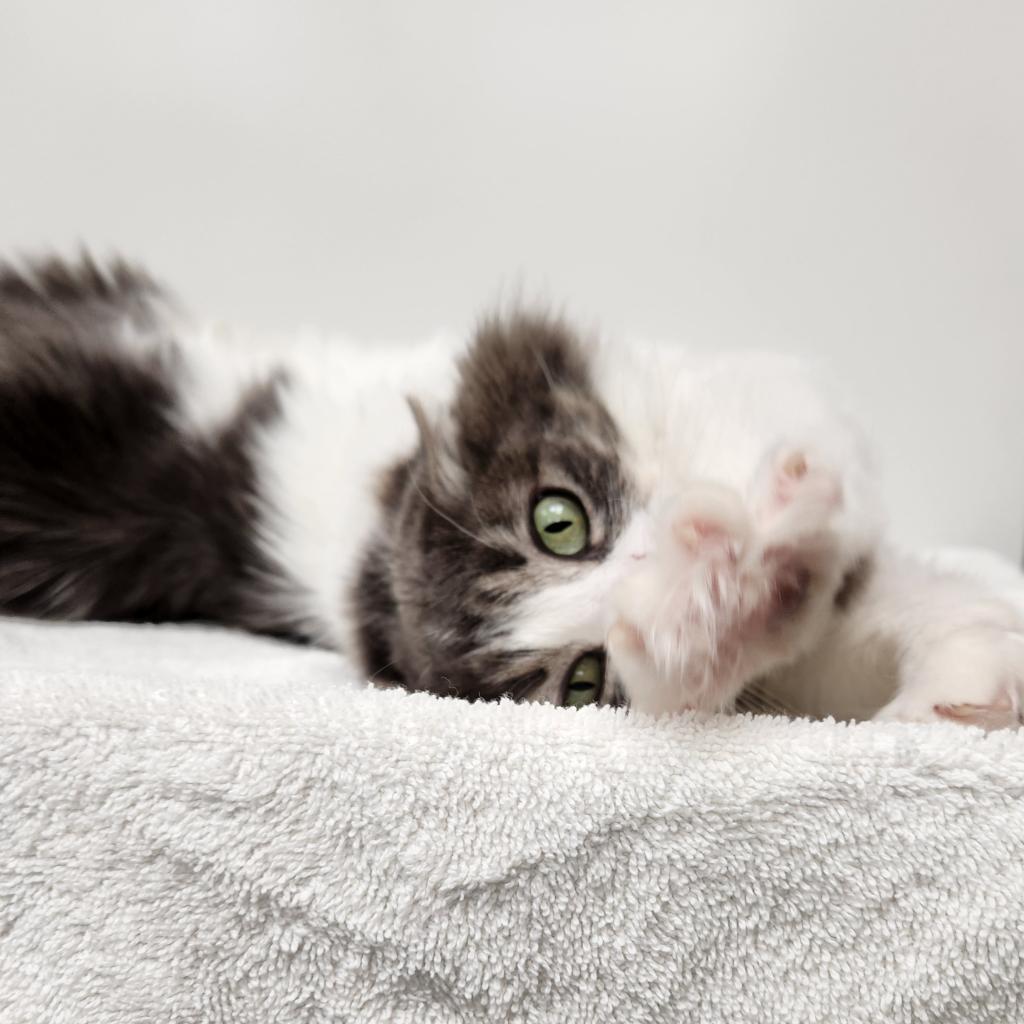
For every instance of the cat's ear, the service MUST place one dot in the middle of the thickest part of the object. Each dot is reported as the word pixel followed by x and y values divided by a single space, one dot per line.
pixel 512 379
pixel 437 448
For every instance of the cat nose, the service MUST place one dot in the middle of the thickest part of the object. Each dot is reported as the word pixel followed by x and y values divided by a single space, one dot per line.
pixel 711 520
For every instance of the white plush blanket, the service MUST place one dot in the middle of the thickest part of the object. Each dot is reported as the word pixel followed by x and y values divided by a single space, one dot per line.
pixel 202 827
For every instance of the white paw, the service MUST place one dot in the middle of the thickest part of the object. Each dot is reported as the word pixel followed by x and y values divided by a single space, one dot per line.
pixel 972 676
pixel 800 494
pixel 732 589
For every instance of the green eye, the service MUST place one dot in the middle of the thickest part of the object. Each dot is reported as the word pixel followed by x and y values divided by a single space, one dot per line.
pixel 584 684
pixel 561 524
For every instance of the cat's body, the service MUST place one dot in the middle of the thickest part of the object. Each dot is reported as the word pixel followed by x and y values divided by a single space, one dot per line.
pixel 548 519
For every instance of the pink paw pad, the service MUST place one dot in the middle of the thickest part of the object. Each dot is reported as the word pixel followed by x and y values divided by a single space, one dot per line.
pixel 698 535
pixel 797 479
pixel 1000 714
pixel 626 639
pixel 712 523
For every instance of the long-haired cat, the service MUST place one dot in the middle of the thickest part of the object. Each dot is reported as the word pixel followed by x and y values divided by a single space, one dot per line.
pixel 534 514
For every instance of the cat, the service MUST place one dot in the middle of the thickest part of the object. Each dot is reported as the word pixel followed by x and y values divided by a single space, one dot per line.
pixel 535 515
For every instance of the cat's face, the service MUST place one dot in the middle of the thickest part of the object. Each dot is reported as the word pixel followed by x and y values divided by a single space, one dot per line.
pixel 585 525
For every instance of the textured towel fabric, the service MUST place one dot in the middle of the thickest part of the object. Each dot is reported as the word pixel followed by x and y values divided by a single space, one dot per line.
pixel 202 827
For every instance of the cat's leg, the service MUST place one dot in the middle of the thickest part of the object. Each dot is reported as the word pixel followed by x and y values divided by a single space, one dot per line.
pixel 962 651
pixel 914 643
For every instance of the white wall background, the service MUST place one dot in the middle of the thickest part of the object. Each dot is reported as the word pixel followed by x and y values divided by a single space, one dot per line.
pixel 843 179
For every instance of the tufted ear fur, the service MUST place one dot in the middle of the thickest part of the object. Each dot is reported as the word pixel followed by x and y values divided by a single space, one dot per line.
pixel 510 380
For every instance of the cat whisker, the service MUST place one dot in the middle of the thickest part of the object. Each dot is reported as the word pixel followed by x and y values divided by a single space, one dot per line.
pixel 545 370
pixel 476 510
pixel 758 701
pixel 448 519
pixel 383 668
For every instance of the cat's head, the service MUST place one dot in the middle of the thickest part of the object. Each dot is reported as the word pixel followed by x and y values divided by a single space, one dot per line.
pixel 589 524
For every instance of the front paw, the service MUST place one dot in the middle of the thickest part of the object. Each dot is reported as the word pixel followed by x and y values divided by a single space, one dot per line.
pixel 973 676
pixel 799 494
pixel 731 590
